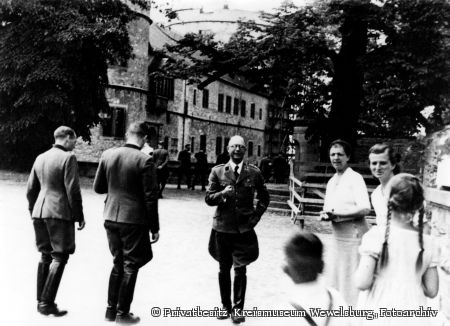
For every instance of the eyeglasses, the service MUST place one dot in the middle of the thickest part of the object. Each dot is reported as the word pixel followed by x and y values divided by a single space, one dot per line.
pixel 238 146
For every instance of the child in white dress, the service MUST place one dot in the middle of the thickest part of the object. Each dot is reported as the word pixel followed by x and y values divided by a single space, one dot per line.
pixel 398 262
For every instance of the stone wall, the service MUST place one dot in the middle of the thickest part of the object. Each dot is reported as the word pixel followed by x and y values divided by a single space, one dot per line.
pixel 436 151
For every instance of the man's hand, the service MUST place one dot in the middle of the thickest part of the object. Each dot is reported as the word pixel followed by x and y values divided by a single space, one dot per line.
pixel 81 225
pixel 154 238
pixel 228 191
pixel 327 216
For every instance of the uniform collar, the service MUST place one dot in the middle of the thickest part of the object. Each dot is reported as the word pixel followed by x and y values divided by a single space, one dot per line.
pixel 132 146
pixel 60 147
pixel 233 166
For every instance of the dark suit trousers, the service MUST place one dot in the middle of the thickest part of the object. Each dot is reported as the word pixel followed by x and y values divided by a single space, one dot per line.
pixel 129 244
pixel 55 238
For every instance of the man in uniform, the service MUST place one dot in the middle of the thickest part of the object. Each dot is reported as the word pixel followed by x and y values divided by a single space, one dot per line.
pixel 128 176
pixel 54 198
pixel 184 157
pixel 161 158
pixel 233 240
pixel 200 169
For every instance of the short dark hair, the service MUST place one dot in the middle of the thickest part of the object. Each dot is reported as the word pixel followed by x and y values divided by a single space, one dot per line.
pixel 383 147
pixel 345 145
pixel 63 132
pixel 304 257
pixel 139 128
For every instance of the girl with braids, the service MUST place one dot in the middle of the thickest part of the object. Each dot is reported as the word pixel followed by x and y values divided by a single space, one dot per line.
pixel 398 261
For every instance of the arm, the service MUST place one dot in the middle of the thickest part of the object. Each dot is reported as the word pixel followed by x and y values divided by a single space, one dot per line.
pixel 364 274
pixel 214 195
pixel 166 160
pixel 72 185
pixel 33 188
pixel 100 182
pixel 430 282
pixel 151 190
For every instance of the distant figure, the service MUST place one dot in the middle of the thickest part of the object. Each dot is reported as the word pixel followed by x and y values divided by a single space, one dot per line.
pixel 184 157
pixel 398 267
pixel 280 168
pixel 128 177
pixel 200 169
pixel 223 158
pixel 233 241
pixel 304 265
pixel 161 158
pixel 266 167
pixel 54 199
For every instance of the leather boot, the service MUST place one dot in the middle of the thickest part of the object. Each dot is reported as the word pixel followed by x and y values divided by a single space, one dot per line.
pixel 115 279
pixel 47 305
pixel 239 287
pixel 42 274
pixel 126 293
pixel 225 293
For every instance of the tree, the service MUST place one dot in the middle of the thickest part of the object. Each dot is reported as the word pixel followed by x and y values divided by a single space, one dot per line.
pixel 350 67
pixel 53 68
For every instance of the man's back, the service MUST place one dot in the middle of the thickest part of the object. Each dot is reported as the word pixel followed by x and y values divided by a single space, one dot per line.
pixel 128 177
pixel 53 187
pixel 185 158
pixel 160 156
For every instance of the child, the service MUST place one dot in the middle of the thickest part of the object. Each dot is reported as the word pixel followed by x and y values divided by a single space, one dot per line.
pixel 398 261
pixel 303 265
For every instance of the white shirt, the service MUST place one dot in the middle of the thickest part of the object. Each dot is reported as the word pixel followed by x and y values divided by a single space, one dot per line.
pixel 233 166
pixel 346 192
pixel 147 149
pixel 379 203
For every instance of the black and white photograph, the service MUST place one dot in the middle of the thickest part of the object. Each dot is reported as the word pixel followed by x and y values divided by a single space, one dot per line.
pixel 225 162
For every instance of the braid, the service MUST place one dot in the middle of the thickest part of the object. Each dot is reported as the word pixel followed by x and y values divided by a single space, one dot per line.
pixel 420 257
pixel 384 251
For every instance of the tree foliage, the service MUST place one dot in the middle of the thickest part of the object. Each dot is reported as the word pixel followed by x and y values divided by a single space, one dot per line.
pixel 349 67
pixel 53 68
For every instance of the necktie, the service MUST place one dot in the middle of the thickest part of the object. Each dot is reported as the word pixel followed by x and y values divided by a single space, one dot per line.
pixel 236 173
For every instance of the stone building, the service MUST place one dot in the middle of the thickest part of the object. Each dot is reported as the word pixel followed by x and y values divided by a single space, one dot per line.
pixel 177 113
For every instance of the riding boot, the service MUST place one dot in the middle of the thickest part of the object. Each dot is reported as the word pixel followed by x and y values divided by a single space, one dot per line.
pixel 126 293
pixel 47 305
pixel 239 287
pixel 42 274
pixel 225 294
pixel 115 279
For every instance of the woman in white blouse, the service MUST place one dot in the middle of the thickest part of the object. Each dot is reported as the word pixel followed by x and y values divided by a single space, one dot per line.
pixel 346 204
pixel 383 166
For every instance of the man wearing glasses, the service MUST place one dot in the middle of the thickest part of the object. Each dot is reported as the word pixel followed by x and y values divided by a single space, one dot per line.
pixel 233 241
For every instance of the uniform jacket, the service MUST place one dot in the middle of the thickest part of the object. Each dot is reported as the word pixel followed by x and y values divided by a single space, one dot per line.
pixel 237 214
pixel 128 177
pixel 53 189
pixel 161 157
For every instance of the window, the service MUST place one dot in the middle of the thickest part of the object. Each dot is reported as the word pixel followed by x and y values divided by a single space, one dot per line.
pixel 162 86
pixel 259 150
pixel 220 103
pixel 173 146
pixel 228 105
pixel 194 97
pixel 242 108
pixel 236 106
pixel 218 145
pixel 166 142
pixel 225 143
pixel 203 143
pixel 192 144
pixel 205 99
pixel 260 114
pixel 250 148
pixel 113 121
pixel 252 110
